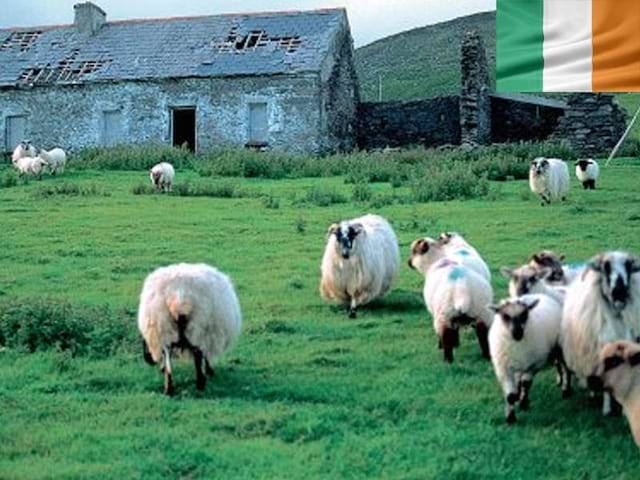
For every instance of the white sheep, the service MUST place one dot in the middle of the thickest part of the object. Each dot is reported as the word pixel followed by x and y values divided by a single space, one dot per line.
pixel 361 260
pixel 55 158
pixel 549 178
pixel 524 337
pixel 587 171
pixel 162 176
pixel 31 166
pixel 618 372
pixel 24 149
pixel 192 307
pixel 526 280
pixel 601 306
pixel 457 248
pixel 455 295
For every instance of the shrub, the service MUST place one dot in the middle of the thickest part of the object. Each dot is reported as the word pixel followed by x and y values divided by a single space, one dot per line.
pixel 71 189
pixel 132 157
pixel 142 189
pixel 455 182
pixel 40 324
pixel 269 201
pixel 8 179
pixel 361 192
pixel 323 197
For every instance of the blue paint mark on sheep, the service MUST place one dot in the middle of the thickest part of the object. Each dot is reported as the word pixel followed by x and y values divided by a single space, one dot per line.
pixel 456 273
pixel 576 266
pixel 463 253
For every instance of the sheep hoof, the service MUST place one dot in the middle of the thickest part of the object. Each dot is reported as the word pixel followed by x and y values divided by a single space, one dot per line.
pixel 352 313
pixel 208 370
pixel 201 382
pixel 511 418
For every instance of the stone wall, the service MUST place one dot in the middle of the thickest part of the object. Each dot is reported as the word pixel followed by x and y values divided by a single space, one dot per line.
pixel 71 116
pixel 340 96
pixel 430 123
pixel 513 121
pixel 592 125
pixel 475 105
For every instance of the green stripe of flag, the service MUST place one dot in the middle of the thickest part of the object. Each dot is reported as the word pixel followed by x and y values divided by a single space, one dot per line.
pixel 520 38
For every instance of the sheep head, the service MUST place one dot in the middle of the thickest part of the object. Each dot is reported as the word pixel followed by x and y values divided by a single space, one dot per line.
pixel 346 234
pixel 514 313
pixel 616 368
pixel 523 280
pixel 424 253
pixel 539 166
pixel 549 259
pixel 614 270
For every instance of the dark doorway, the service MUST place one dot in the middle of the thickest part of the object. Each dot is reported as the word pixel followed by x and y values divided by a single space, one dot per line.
pixel 184 128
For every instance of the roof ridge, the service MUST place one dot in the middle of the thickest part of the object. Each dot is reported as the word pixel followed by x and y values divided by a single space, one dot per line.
pixel 186 17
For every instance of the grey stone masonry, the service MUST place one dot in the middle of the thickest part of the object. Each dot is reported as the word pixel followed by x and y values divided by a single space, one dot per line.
pixel 475 104
pixel 592 125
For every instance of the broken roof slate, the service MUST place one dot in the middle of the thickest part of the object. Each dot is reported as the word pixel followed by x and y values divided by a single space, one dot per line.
pixel 293 42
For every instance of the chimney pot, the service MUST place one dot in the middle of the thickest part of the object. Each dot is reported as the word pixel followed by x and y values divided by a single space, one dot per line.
pixel 89 17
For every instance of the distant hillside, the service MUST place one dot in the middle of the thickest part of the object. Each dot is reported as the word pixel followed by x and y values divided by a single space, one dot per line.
pixel 423 62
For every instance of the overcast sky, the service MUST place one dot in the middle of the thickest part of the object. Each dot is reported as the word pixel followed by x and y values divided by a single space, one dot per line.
pixel 370 19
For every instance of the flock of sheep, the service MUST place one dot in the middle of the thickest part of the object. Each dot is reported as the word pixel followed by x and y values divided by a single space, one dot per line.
pixel 28 160
pixel 584 318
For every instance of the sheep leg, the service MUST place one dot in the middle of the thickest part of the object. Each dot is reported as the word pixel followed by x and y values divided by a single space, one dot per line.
pixel 511 398
pixel 353 308
pixel 168 378
pixel 208 369
pixel 606 404
pixel 147 354
pixel 449 336
pixel 525 385
pixel 201 380
pixel 585 185
pixel 482 332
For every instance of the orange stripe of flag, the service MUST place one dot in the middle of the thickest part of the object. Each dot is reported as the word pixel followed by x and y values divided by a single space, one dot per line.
pixel 616 45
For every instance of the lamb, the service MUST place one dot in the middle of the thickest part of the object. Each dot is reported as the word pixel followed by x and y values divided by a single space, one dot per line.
pixel 525 280
pixel 56 159
pixel 549 178
pixel 31 166
pixel 192 307
pixel 455 295
pixel 162 176
pixel 360 263
pixel 457 248
pixel 617 371
pixel 23 150
pixel 587 171
pixel 523 338
pixel 601 306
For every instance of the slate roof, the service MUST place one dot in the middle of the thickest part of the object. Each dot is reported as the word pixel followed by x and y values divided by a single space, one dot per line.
pixel 532 99
pixel 211 46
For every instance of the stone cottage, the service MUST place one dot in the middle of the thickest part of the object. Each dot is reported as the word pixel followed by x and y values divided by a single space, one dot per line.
pixel 283 80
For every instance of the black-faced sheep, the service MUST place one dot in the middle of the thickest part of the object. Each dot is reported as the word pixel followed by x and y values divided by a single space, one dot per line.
pixel 191 307
pixel 22 150
pixel 587 171
pixel 549 178
pixel 361 260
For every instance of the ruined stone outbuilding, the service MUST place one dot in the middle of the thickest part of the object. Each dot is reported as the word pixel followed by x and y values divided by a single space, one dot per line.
pixel 277 80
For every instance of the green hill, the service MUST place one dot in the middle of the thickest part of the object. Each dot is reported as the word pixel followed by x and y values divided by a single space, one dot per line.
pixel 425 62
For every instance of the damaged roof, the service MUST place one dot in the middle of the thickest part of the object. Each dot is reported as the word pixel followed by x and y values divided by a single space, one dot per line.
pixel 211 46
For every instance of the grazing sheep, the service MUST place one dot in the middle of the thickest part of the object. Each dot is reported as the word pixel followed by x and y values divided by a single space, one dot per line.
pixel 24 149
pixel 162 176
pixel 524 338
pixel 192 307
pixel 360 262
pixel 601 306
pixel 457 248
pixel 617 371
pixel 525 280
pixel 549 178
pixel 561 274
pixel 455 295
pixel 56 159
pixel 31 166
pixel 587 171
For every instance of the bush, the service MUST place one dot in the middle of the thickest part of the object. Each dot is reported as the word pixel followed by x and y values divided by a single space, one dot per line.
pixel 71 189
pixel 269 201
pixel 132 157
pixel 361 192
pixel 455 182
pixel 186 189
pixel 323 197
pixel 41 324
pixel 8 179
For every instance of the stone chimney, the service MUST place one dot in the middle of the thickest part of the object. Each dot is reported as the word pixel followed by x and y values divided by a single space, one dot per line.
pixel 475 103
pixel 89 17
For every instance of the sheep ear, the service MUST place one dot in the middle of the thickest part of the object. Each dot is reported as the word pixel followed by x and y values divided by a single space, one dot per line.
pixel 356 228
pixel 635 264
pixel 634 359
pixel 506 272
pixel 531 305
pixel 333 228
pixel 561 257
pixel 536 258
pixel 421 246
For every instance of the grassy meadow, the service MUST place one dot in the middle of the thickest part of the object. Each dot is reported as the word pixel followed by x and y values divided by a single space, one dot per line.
pixel 306 392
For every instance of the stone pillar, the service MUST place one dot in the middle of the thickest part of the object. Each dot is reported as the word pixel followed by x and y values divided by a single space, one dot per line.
pixel 475 104
pixel 592 125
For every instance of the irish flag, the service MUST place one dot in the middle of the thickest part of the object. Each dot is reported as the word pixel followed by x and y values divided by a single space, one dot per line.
pixel 568 45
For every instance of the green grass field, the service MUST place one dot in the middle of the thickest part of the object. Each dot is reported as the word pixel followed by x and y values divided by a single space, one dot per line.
pixel 306 393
